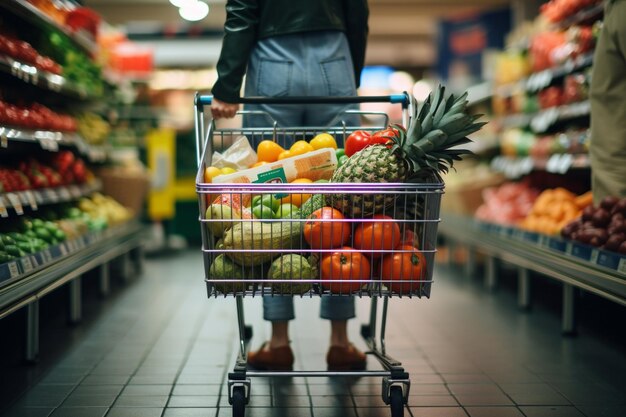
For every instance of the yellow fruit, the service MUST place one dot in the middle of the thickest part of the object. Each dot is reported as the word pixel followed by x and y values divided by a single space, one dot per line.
pixel 297 199
pixel 301 147
pixel 258 164
pixel 284 154
pixel 211 172
pixel 268 151
pixel 323 140
pixel 228 170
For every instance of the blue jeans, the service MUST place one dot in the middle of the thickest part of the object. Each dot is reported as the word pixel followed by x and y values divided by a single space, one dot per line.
pixel 302 64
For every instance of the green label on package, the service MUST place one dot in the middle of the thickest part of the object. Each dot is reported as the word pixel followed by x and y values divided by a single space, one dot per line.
pixel 274 176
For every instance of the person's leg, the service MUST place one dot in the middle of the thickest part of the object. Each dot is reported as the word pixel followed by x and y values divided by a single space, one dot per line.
pixel 342 355
pixel 276 353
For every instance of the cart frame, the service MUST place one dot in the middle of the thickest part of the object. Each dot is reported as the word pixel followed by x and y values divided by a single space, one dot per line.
pixel 396 383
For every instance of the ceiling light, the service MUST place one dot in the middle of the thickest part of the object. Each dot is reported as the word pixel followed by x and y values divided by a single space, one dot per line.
pixel 194 11
pixel 182 3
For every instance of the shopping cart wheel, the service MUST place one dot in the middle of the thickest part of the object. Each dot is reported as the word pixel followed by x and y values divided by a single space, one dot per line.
pixel 239 402
pixel 248 332
pixel 396 401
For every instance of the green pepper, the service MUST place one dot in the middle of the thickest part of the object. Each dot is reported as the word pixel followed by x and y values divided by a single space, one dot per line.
pixel 5 257
pixel 340 152
pixel 342 160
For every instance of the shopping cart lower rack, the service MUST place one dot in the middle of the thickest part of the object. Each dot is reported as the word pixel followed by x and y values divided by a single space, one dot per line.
pixel 384 256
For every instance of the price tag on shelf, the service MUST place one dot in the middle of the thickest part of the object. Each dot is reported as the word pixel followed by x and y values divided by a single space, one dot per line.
pixel 15 201
pixel 30 199
pixel 594 256
pixel 63 249
pixel 3 208
pixel 621 267
pixel 4 141
pixel 27 265
pixel 46 256
pixel 14 271
pixel 49 144
pixel 75 191
pixel 64 193
pixel 51 195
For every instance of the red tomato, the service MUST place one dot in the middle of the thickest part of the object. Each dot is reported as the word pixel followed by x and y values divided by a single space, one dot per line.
pixel 325 230
pixel 409 266
pixel 352 267
pixel 409 238
pixel 383 235
pixel 357 140
pixel 384 136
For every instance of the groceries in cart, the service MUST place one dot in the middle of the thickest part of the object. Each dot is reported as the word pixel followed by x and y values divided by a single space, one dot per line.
pixel 311 217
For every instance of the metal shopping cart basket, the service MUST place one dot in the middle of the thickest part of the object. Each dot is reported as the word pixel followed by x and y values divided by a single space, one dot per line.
pixel 295 255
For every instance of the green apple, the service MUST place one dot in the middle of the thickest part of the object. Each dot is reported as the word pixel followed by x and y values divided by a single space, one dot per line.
pixel 287 211
pixel 267 200
pixel 262 212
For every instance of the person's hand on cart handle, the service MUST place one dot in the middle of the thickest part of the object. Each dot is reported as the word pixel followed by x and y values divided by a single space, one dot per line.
pixel 221 109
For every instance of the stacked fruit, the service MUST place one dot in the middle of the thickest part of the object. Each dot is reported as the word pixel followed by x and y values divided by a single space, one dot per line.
pixel 36 116
pixel 24 52
pixel 353 234
pixel 603 226
pixel 32 235
pixel 553 209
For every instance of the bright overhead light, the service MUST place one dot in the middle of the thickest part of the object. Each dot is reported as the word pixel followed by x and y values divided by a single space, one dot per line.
pixel 182 3
pixel 194 11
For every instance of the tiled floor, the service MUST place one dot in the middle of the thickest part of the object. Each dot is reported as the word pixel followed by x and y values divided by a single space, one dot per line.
pixel 161 348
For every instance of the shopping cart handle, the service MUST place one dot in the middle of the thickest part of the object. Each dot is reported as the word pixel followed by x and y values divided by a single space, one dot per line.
pixel 402 98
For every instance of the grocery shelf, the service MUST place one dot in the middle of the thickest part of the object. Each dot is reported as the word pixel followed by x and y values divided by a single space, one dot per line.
pixel 586 15
pixel 574 264
pixel 515 167
pixel 50 140
pixel 542 79
pixel 17 201
pixel 25 281
pixel 29 12
pixel 541 121
pixel 42 79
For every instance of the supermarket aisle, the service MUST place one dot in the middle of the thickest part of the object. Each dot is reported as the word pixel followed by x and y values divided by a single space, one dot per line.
pixel 162 349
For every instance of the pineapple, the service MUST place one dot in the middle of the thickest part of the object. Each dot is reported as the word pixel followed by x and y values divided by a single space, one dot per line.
pixel 422 151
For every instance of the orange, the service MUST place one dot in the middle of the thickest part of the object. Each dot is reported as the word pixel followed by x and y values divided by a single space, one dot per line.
pixel 258 164
pixel 301 147
pixel 297 199
pixel 210 172
pixel 284 154
pixel 268 151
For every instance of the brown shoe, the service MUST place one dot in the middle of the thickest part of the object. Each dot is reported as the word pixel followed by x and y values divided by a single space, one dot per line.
pixel 341 358
pixel 267 359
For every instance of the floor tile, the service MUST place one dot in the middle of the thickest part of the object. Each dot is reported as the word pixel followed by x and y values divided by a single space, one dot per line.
pixel 192 412
pixel 335 401
pixel 272 412
pixel 98 389
pixel 147 390
pixel 105 380
pixel 182 389
pixel 28 412
pixel 134 412
pixel 334 412
pixel 603 411
pixel 291 401
pixel 551 412
pixel 79 412
pixel 193 401
pixel 428 389
pixel 483 399
pixel 141 401
pixel 88 400
pixel 433 401
pixel 494 412
pixel 438 412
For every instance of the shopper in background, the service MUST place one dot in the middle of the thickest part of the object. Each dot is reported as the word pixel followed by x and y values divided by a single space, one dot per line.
pixel 608 106
pixel 294 48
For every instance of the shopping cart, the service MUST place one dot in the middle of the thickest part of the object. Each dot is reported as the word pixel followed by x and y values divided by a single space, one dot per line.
pixel 252 248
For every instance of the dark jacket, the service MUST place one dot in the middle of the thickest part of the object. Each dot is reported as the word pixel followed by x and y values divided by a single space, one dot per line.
pixel 250 20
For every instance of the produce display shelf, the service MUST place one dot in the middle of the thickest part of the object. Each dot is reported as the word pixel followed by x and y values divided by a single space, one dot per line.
pixel 30 277
pixel 586 15
pixel 17 201
pixel 542 79
pixel 43 79
pixel 543 120
pixel 51 140
pixel 29 12
pixel 588 268
pixel 515 167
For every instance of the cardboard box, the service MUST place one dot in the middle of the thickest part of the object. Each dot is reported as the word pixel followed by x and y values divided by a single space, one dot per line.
pixel 128 186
